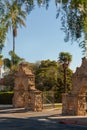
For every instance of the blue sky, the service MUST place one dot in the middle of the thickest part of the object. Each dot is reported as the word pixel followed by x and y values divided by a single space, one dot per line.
pixel 42 38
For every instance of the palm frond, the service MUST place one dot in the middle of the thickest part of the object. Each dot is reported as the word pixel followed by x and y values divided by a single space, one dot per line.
pixel 22 14
pixel 20 22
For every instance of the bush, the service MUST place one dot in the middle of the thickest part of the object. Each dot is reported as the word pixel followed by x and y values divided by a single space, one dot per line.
pixel 6 97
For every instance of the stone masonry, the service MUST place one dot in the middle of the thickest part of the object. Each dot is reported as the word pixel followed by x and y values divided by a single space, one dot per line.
pixel 75 103
pixel 25 93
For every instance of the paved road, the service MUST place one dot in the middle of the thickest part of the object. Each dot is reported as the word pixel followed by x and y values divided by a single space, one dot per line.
pixel 35 123
pixel 19 119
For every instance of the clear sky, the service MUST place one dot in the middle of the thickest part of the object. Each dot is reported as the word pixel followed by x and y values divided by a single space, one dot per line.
pixel 42 38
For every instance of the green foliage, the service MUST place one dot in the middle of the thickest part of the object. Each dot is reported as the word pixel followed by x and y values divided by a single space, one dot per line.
pixel 46 75
pixel 6 97
pixel 16 58
pixel 9 62
pixel 73 16
pixel 50 77
pixel 31 3
pixel 65 58
pixel 3 32
pixel 60 83
pixel 10 76
pixel 2 37
pixel 74 21
pixel 13 17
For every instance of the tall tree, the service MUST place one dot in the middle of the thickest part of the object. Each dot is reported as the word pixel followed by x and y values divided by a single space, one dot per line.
pixel 14 16
pixel 65 58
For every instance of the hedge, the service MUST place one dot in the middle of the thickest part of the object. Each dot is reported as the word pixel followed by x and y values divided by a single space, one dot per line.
pixel 6 97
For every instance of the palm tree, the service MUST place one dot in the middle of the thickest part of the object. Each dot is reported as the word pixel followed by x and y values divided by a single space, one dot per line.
pixel 65 58
pixel 14 17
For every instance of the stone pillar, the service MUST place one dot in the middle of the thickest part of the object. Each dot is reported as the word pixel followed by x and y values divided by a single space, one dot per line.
pixel 25 93
pixel 69 104
pixel 18 100
pixel 75 103
pixel 64 103
pixel 38 101
pixel 34 101
pixel 81 109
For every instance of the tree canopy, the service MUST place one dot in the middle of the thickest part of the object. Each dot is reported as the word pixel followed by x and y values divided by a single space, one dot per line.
pixel 73 15
pixel 50 77
pixel 74 21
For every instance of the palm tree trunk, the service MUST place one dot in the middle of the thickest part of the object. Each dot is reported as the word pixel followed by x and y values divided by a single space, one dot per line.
pixel 65 87
pixel 13 47
pixel 13 42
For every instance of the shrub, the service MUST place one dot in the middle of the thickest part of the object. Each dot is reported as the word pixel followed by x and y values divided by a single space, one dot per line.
pixel 6 97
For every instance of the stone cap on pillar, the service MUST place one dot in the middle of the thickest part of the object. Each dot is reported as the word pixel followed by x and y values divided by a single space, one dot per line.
pixel 23 69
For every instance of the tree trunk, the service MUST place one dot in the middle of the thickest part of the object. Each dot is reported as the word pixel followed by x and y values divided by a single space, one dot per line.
pixel 13 47
pixel 13 42
pixel 65 87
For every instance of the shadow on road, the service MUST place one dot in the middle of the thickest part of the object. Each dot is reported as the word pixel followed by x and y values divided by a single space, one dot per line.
pixel 21 119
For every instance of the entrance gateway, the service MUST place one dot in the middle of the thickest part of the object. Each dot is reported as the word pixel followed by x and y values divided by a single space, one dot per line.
pixel 75 103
